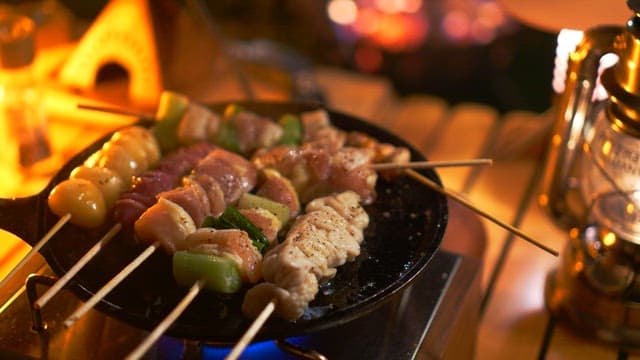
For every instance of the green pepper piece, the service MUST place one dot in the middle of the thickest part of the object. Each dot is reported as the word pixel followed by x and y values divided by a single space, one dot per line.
pixel 221 274
pixel 170 110
pixel 226 136
pixel 231 218
pixel 231 110
pixel 249 200
pixel 292 130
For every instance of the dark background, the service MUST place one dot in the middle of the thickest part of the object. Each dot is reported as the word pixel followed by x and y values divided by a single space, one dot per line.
pixel 511 72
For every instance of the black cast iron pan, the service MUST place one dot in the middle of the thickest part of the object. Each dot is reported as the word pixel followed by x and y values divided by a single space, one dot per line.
pixel 407 224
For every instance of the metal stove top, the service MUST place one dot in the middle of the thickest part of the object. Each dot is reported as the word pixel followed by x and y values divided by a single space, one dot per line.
pixel 419 322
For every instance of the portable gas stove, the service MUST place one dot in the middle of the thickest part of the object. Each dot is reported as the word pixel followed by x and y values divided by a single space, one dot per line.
pixel 433 318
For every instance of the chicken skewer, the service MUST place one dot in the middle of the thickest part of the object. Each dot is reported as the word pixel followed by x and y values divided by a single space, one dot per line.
pixel 327 236
pixel 97 184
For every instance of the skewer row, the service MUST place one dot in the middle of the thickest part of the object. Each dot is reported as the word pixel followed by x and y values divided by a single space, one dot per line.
pixel 200 284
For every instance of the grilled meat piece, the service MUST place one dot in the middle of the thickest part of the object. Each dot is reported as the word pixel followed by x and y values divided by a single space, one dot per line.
pixel 325 237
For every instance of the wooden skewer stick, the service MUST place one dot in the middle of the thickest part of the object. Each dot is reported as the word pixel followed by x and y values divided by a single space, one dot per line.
pixel 431 164
pixel 251 332
pixel 100 294
pixel 428 182
pixel 113 110
pixel 139 351
pixel 54 229
pixel 44 299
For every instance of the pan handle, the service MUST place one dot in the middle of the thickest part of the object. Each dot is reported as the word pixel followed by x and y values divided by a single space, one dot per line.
pixel 20 216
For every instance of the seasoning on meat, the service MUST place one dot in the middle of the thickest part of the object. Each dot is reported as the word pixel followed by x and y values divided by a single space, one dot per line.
pixel 325 237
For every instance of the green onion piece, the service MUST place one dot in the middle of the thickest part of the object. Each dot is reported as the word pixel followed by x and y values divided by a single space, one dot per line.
pixel 249 201
pixel 221 274
pixel 292 130
pixel 231 218
pixel 226 136
pixel 170 110
pixel 231 110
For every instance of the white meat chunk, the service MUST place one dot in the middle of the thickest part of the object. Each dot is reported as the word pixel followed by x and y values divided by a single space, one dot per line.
pixel 325 237
pixel 165 223
pixel 196 124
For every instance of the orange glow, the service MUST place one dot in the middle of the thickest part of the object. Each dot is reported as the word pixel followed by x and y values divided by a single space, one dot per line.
pixel 482 31
pixel 630 209
pixel 609 239
pixel 578 266
pixel 400 32
pixel 412 6
pixel 456 25
pixel 398 6
pixel 367 22
pixel 342 12
pixel 606 148
pixel 491 14
pixel 543 200
pixel 573 233
pixel 110 40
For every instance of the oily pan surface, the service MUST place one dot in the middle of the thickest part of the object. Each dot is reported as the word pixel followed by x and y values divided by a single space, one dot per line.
pixel 407 222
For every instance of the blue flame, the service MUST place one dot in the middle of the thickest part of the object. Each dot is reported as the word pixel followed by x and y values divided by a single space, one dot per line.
pixel 169 348
pixel 257 350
